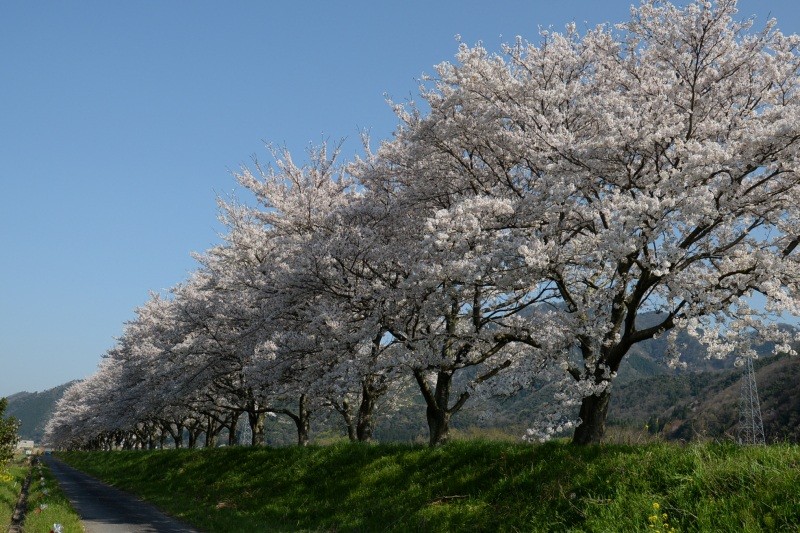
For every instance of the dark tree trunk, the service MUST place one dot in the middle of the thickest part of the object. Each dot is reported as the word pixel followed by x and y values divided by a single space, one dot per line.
pixel 256 421
pixel 349 422
pixel 230 424
pixel 352 434
pixel 372 387
pixel 437 412
pixel 213 427
pixel 176 434
pixel 438 425
pixel 593 419
pixel 365 422
pixel 303 421
pixel 361 424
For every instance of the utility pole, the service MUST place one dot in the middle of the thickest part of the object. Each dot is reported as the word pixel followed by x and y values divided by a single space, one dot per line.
pixel 751 427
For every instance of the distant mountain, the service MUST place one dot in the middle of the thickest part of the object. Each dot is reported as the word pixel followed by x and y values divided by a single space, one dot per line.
pixel 33 410
pixel 696 402
pixel 702 400
pixel 705 404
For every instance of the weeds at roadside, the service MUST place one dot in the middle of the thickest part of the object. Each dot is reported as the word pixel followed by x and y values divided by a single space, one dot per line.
pixel 10 486
pixel 47 505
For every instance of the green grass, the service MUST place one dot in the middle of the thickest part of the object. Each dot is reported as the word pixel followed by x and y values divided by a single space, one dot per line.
pixel 11 480
pixel 465 486
pixel 47 505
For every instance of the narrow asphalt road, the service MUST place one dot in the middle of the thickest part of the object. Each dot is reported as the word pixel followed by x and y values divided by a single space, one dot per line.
pixel 104 509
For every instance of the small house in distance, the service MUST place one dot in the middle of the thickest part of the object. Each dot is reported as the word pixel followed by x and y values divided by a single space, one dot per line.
pixel 26 446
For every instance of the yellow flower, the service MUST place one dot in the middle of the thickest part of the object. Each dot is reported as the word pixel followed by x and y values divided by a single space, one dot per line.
pixel 656 506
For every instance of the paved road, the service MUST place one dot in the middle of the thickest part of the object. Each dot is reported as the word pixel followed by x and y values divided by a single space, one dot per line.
pixel 104 509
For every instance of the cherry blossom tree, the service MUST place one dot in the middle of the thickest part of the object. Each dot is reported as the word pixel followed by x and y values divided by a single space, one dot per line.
pixel 516 229
pixel 325 336
pixel 650 167
pixel 452 285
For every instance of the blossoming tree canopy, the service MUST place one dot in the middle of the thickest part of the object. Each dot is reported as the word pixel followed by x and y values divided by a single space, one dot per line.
pixel 517 231
pixel 652 167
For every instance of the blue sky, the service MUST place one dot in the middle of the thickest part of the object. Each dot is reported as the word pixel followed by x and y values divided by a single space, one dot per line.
pixel 120 123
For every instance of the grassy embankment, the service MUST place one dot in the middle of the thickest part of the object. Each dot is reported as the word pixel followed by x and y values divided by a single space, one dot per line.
pixel 11 480
pixel 466 486
pixel 47 505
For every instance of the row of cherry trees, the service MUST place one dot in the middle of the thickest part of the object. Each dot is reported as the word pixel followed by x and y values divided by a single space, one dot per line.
pixel 511 232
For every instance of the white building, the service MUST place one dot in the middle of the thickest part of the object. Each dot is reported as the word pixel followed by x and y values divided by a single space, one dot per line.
pixel 26 446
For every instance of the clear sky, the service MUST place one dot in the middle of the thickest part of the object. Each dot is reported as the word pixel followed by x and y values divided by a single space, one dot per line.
pixel 120 123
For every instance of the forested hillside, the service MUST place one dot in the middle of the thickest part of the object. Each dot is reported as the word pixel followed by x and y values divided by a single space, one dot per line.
pixel 33 410
pixel 704 404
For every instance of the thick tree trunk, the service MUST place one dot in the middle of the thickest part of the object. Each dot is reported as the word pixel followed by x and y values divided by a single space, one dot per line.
pixel 349 422
pixel 213 427
pixel 372 387
pixel 361 424
pixel 593 419
pixel 256 421
pixel 176 434
pixel 365 422
pixel 437 412
pixel 364 426
pixel 302 419
pixel 438 425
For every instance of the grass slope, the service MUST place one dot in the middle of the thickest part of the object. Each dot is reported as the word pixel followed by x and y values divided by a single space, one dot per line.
pixel 11 479
pixel 465 486
pixel 48 506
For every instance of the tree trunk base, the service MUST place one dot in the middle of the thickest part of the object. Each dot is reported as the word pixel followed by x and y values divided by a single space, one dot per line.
pixel 593 419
